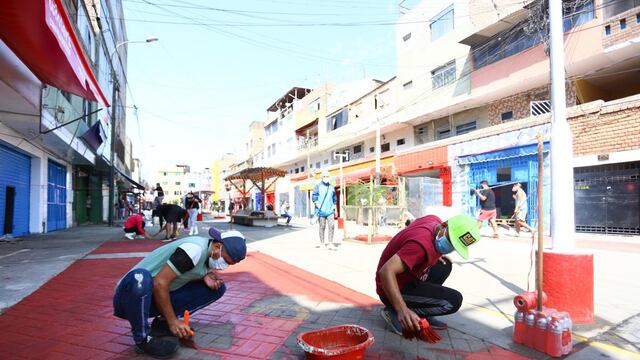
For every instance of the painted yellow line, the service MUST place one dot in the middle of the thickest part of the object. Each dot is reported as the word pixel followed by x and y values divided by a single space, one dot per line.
pixel 580 339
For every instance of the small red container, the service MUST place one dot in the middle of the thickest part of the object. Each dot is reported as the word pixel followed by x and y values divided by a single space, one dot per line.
pixel 344 342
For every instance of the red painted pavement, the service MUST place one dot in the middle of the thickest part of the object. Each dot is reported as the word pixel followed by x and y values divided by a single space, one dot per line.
pixel 70 317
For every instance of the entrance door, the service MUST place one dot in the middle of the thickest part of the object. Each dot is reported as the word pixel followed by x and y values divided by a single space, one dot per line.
pixel 15 182
pixel 607 198
pixel 56 197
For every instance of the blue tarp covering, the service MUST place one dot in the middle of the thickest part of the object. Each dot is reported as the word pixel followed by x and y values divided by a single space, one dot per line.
pixel 502 154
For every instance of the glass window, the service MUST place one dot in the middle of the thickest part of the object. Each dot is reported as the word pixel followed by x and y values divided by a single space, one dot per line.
pixel 607 30
pixel 506 116
pixel 441 23
pixel 443 75
pixel 385 147
pixel 443 133
pixel 465 128
pixel 337 121
pixel 578 16
pixel 615 7
pixel 318 164
pixel 400 142
pixel 357 149
pixel 623 24
pixel 177 182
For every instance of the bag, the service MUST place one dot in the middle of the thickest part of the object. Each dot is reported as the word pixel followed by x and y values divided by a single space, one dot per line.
pixel 316 213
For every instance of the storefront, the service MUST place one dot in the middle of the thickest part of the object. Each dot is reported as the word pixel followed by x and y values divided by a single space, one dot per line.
pixel 502 160
pixel 15 180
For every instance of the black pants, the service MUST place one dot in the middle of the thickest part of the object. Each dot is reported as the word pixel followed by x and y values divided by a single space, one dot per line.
pixel 430 298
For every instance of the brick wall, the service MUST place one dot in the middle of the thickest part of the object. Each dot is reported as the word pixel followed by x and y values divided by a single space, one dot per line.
pixel 613 128
pixel 617 35
pixel 520 103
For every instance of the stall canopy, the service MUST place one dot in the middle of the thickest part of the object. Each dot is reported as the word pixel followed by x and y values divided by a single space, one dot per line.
pixel 133 183
pixel 258 177
pixel 40 34
pixel 502 154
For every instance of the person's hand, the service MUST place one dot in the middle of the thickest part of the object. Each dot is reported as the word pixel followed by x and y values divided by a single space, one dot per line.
pixel 445 260
pixel 477 191
pixel 179 329
pixel 409 320
pixel 212 281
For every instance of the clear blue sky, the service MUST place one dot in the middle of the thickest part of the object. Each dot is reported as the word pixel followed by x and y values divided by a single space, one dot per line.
pixel 199 87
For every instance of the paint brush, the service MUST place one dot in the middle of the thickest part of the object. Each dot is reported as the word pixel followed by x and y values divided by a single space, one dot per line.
pixel 188 342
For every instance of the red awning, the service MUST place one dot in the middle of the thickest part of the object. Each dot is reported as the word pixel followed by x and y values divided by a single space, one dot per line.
pixel 40 34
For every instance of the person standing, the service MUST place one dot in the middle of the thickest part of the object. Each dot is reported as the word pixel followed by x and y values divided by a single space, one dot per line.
pixel 159 195
pixel 487 207
pixel 180 276
pixel 324 198
pixel 192 204
pixel 413 266
pixel 520 212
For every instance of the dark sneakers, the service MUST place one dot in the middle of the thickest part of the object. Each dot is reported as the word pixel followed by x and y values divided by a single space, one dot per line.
pixel 436 324
pixel 157 348
pixel 391 318
pixel 160 328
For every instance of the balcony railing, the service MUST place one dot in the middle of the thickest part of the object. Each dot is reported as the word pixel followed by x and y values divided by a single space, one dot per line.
pixel 304 143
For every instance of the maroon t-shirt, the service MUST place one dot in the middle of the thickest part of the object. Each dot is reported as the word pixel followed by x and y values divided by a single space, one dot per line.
pixel 414 245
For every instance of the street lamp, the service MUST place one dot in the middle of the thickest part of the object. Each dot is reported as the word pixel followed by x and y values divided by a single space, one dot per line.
pixel 113 123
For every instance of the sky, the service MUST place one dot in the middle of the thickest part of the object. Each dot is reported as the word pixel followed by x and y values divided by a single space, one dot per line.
pixel 219 64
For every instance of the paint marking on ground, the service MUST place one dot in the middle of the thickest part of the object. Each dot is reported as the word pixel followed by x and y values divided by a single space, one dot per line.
pixel 578 338
pixel 116 255
pixel 13 253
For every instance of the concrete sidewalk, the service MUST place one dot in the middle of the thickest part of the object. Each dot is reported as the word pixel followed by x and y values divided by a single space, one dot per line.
pixel 267 304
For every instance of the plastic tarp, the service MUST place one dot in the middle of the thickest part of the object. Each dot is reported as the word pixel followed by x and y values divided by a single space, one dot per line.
pixel 512 152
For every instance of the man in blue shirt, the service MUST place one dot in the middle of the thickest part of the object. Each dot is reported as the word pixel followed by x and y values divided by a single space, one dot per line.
pixel 324 198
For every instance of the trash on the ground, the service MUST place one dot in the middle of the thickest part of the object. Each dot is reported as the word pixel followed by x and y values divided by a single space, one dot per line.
pixel 343 342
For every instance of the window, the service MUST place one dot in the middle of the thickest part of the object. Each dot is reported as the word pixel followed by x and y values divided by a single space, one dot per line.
pixel 357 149
pixel 421 134
pixel 66 95
pixel 326 161
pixel 337 121
pixel 318 164
pixel 406 37
pixel 443 75
pixel 400 142
pixel 385 147
pixel 465 128
pixel 311 166
pixel 607 30
pixel 441 23
pixel 623 24
pixel 165 183
pixel 407 85
pixel 372 149
pixel 506 116
pixel 503 174
pixel 177 193
pixel 273 149
pixel 615 7
pixel 579 15
pixel 382 99
pixel 638 18
pixel 302 169
pixel 443 133
pixel 297 170
pixel 177 182
pixel 314 106
pixel 192 185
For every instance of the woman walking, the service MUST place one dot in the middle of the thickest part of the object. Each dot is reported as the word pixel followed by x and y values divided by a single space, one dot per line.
pixel 192 204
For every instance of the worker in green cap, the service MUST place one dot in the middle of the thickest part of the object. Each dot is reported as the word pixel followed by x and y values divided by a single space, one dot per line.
pixel 413 267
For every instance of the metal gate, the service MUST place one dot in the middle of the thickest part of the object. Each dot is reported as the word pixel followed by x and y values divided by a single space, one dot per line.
pixel 15 180
pixel 300 202
pixel 56 197
pixel 607 198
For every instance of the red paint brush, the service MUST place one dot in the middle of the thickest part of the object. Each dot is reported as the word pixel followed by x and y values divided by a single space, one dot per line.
pixel 188 342
pixel 427 333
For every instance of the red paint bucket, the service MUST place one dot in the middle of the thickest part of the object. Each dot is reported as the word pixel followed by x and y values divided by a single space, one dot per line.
pixel 343 342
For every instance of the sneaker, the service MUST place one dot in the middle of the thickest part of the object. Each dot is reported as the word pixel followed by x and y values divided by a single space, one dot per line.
pixel 129 236
pixel 436 324
pixel 390 316
pixel 157 348
pixel 166 239
pixel 160 328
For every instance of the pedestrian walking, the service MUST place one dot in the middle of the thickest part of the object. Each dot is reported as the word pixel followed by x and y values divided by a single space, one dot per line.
pixel 192 204
pixel 159 195
pixel 180 276
pixel 232 207
pixel 172 215
pixel 324 198
pixel 121 207
pixel 520 212
pixel 413 266
pixel 488 210
pixel 284 211
pixel 135 226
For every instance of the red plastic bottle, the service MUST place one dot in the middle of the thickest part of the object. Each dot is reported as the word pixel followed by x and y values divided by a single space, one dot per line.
pixel 540 332
pixel 567 341
pixel 530 324
pixel 519 328
pixel 554 337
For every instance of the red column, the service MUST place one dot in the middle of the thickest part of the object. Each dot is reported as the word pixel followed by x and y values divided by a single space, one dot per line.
pixel 445 175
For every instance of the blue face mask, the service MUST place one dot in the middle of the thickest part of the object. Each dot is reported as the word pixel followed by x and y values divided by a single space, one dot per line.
pixel 443 245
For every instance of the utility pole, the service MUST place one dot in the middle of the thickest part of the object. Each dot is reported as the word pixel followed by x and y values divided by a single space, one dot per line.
pixel 378 151
pixel 562 202
pixel 113 149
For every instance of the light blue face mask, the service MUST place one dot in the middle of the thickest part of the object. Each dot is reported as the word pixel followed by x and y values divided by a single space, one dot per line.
pixel 218 264
pixel 443 245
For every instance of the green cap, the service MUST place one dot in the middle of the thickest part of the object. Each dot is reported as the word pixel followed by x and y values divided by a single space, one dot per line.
pixel 463 231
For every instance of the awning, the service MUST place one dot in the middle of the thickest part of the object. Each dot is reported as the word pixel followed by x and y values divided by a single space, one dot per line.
pixel 481 36
pixel 509 153
pixel 40 34
pixel 130 180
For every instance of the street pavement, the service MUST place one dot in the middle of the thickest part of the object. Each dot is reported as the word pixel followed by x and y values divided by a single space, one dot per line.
pixel 284 287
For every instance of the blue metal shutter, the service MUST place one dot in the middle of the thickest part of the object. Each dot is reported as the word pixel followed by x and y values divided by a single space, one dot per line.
pixel 56 197
pixel 15 171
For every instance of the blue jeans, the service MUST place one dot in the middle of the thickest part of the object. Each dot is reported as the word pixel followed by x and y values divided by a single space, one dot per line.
pixel 133 300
